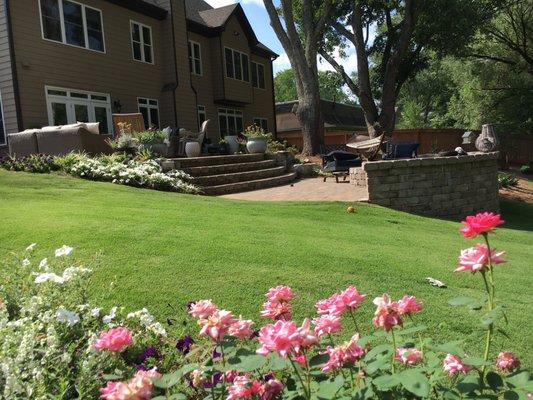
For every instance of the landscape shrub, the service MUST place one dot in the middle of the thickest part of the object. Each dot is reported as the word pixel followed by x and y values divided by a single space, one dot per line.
pixel 507 180
pixel 150 136
pixel 56 344
pixel 525 169
pixel 36 163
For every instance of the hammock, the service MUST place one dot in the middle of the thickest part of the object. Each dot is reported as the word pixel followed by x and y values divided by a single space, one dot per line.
pixel 370 146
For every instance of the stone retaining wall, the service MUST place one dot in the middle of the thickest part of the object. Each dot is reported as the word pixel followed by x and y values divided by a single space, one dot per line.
pixel 450 187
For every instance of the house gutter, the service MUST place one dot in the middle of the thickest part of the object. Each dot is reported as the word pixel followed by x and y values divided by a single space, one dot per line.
pixel 16 88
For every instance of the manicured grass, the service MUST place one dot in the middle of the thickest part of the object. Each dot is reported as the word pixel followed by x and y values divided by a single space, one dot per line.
pixel 161 248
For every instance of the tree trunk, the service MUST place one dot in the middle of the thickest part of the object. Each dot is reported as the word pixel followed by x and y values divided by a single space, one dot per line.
pixel 310 118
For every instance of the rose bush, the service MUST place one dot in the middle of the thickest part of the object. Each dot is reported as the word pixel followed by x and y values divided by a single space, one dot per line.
pixel 58 346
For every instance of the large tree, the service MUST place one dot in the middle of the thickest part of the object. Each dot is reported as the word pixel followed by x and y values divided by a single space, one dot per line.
pixel 300 27
pixel 391 39
pixel 330 85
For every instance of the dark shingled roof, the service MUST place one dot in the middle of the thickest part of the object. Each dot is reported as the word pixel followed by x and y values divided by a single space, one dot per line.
pixel 336 115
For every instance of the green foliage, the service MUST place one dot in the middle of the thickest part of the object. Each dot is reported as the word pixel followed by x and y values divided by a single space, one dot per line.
pixel 274 145
pixel 146 137
pixel 36 163
pixel 507 180
pixel 525 169
pixel 125 142
pixel 255 132
pixel 330 83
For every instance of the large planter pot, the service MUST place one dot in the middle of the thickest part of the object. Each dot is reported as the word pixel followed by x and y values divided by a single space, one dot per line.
pixel 256 145
pixel 158 148
pixel 233 143
pixel 192 149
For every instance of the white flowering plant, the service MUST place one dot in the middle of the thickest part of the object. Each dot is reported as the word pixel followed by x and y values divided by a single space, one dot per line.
pixel 49 331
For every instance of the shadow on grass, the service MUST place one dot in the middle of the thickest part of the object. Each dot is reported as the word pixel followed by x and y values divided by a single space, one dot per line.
pixel 517 215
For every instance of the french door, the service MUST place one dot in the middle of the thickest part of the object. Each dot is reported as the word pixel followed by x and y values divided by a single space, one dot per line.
pixel 67 106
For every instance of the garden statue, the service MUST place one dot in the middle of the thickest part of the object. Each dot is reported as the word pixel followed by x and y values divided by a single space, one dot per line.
pixel 487 141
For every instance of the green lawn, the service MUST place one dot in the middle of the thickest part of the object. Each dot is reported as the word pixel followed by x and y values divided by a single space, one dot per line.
pixel 162 248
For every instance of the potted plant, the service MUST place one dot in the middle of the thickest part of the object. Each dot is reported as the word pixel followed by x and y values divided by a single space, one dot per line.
pixel 223 146
pixel 233 143
pixel 153 141
pixel 256 139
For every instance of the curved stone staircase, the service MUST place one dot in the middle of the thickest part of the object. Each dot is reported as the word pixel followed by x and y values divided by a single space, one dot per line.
pixel 218 175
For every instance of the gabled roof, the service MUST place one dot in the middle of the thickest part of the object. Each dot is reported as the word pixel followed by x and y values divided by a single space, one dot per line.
pixel 211 21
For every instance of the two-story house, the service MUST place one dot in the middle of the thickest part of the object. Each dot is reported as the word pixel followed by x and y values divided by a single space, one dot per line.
pixel 178 62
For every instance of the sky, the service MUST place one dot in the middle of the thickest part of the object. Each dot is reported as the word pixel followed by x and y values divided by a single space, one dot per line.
pixel 258 17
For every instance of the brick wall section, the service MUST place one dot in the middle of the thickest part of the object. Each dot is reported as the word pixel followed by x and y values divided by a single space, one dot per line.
pixel 450 187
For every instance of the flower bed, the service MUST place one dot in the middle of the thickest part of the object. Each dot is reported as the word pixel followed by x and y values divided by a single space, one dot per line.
pixel 57 344
pixel 117 169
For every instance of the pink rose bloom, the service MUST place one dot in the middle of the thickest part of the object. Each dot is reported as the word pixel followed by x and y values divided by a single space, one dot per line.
pixel 114 339
pixel 277 337
pixel 507 361
pixel 137 388
pixel 351 297
pixel 216 325
pixel 304 337
pixel 408 356
pixel 386 315
pixel 243 388
pixel 480 223
pixel 271 389
pixel 277 311
pixel 346 354
pixel 477 258
pixel 327 324
pixel 279 294
pixel 453 365
pixel 300 359
pixel 202 309
pixel 241 328
pixel 408 305
pixel 230 375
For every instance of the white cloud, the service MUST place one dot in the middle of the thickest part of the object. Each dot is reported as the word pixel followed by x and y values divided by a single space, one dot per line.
pixel 281 63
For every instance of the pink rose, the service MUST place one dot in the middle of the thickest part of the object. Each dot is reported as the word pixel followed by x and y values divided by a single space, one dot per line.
pixel 453 365
pixel 387 313
pixel 230 375
pixel 480 223
pixel 280 293
pixel 351 297
pixel 114 339
pixel 277 337
pixel 507 361
pixel 477 258
pixel 137 388
pixel 216 326
pixel 346 354
pixel 408 356
pixel 241 328
pixel 327 324
pixel 277 311
pixel 271 389
pixel 408 305
pixel 304 337
pixel 202 309
pixel 339 303
pixel 243 387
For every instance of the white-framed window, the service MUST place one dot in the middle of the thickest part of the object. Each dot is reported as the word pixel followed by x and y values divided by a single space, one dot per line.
pixel 237 65
pixel 195 58
pixel 230 121
pixel 68 106
pixel 72 23
pixel 261 122
pixel 149 108
pixel 2 122
pixel 141 42
pixel 202 116
pixel 258 75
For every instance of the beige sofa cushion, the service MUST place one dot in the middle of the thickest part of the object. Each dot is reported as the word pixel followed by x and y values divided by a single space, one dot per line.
pixel 22 144
pixel 93 127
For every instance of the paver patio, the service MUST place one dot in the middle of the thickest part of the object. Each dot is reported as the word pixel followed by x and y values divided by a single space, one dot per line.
pixel 310 189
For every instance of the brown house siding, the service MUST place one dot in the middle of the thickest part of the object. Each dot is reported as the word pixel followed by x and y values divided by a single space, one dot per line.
pixel 7 89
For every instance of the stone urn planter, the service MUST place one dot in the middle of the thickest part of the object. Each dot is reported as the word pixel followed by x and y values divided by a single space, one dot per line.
pixel 192 149
pixel 488 140
pixel 256 145
pixel 233 143
pixel 157 147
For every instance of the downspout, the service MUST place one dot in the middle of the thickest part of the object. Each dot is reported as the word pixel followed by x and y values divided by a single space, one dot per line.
pixel 273 100
pixel 16 89
pixel 175 65
pixel 190 81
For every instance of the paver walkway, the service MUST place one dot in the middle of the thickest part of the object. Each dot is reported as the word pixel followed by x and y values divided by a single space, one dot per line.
pixel 311 189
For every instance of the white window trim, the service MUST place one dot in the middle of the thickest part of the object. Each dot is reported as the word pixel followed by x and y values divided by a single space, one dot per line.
pixel 227 115
pixel 141 37
pixel 149 106
pixel 254 64
pixel 233 63
pixel 89 102
pixel 202 111
pixel 4 141
pixel 85 30
pixel 198 58
pixel 260 119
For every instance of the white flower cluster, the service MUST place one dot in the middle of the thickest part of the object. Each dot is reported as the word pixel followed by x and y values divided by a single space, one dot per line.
pixel 148 321
pixel 133 173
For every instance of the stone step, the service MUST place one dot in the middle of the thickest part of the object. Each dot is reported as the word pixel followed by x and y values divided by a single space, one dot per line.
pixel 221 179
pixel 182 163
pixel 230 168
pixel 249 185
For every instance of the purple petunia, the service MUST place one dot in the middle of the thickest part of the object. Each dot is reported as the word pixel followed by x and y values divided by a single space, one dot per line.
pixel 184 344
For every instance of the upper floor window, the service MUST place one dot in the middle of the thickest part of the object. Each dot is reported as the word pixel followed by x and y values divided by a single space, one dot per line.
pixel 237 65
pixel 258 75
pixel 141 42
pixel 149 108
pixel 195 58
pixel 72 23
